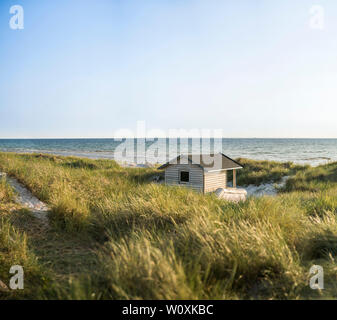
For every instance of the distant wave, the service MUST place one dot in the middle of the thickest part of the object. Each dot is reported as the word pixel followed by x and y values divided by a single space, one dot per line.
pixel 302 151
pixel 315 158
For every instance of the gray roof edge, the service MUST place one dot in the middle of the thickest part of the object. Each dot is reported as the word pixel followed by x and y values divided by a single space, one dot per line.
pixel 240 166
pixel 165 165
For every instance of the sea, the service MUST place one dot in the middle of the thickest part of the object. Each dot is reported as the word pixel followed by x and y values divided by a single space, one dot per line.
pixel 141 151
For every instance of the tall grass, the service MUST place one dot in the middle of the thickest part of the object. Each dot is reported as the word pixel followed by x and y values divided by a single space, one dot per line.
pixel 157 242
pixel 14 251
pixel 261 171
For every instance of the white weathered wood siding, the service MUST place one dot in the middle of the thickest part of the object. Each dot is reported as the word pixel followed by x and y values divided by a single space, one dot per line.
pixel 172 176
pixel 215 180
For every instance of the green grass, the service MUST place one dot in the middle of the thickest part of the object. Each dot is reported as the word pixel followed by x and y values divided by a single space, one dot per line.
pixel 259 172
pixel 14 250
pixel 313 179
pixel 116 235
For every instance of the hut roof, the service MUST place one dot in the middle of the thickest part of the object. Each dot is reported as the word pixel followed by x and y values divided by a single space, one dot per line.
pixel 208 162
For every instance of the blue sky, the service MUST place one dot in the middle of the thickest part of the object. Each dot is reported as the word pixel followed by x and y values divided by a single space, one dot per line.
pixel 84 68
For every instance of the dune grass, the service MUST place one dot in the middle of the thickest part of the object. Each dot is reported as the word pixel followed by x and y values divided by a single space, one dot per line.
pixel 116 235
pixel 261 171
pixel 14 250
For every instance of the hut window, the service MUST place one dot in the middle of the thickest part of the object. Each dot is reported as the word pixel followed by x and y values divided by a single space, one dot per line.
pixel 184 176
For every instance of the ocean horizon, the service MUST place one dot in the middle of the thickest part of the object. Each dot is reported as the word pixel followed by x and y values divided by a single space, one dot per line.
pixel 298 150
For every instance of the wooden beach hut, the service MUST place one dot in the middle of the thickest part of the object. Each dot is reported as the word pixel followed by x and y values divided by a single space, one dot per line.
pixel 202 172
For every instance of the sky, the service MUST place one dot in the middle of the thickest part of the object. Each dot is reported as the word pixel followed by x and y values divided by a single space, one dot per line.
pixel 252 68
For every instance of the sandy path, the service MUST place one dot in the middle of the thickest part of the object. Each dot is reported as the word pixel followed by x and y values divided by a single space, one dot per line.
pixel 265 189
pixel 27 199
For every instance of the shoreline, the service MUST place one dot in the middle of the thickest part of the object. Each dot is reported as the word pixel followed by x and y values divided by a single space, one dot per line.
pixel 311 161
